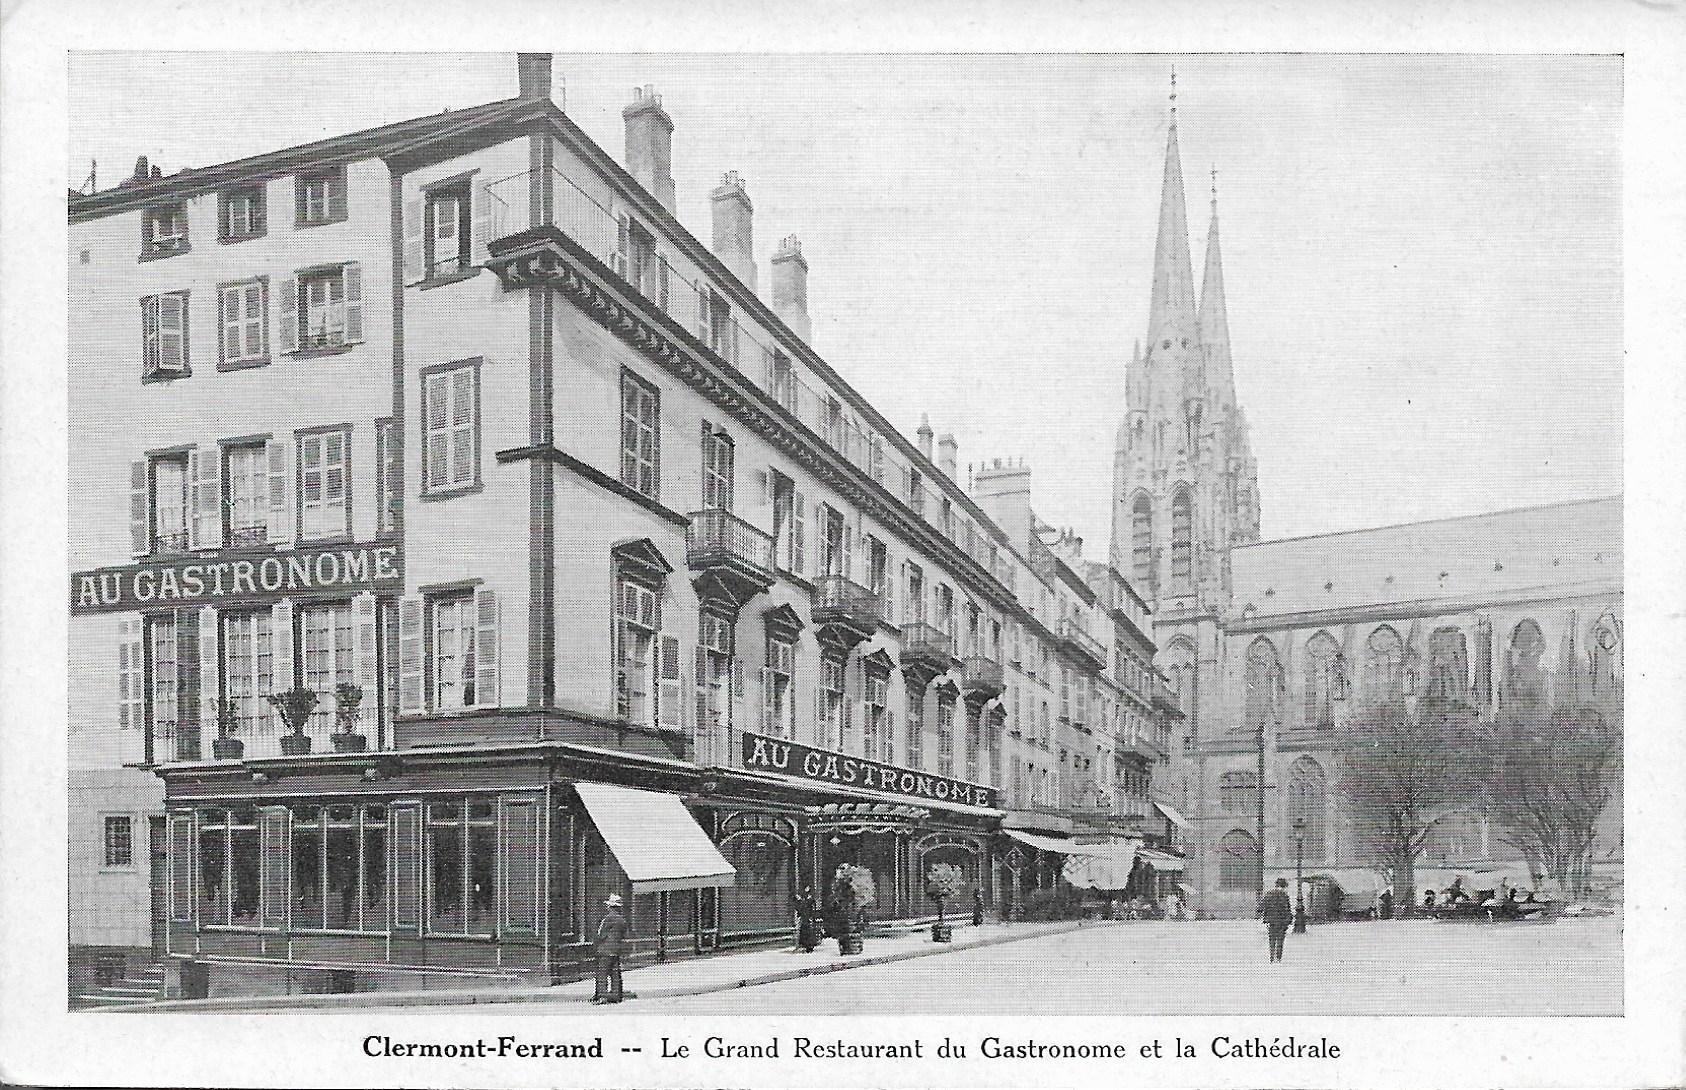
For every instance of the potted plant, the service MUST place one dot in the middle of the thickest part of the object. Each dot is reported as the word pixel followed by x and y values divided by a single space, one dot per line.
pixel 295 706
pixel 347 697
pixel 943 881
pixel 853 889
pixel 226 747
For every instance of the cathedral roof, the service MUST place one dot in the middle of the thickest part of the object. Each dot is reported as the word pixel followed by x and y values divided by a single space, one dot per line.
pixel 1171 310
pixel 1555 548
pixel 1213 321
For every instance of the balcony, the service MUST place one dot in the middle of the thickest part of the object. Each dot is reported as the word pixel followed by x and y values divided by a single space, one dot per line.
pixel 926 652
pixel 845 613
pixel 728 555
pixel 1081 643
pixel 981 680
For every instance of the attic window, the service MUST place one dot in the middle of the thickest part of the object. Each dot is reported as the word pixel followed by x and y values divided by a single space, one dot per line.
pixel 164 231
pixel 319 196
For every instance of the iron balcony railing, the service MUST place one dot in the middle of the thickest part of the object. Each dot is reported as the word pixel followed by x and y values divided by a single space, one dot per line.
pixel 247 536
pixel 1082 642
pixel 716 537
pixel 843 599
pixel 983 674
pixel 920 638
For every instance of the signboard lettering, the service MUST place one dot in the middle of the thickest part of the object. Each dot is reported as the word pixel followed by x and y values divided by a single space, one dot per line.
pixel 215 580
pixel 793 759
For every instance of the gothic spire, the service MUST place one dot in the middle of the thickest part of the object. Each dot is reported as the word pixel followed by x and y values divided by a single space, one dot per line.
pixel 1171 314
pixel 1214 315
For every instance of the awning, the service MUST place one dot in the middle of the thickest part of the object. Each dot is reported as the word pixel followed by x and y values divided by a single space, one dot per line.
pixel 655 839
pixel 1175 818
pixel 1101 866
pixel 1356 882
pixel 1162 861
pixel 1046 843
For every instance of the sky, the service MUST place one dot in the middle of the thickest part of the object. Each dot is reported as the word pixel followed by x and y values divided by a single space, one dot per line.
pixel 1422 255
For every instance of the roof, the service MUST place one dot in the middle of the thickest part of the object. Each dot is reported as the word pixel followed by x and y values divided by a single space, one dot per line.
pixel 1552 547
pixel 367 143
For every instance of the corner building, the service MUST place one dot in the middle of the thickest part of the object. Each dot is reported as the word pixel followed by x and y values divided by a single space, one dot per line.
pixel 585 573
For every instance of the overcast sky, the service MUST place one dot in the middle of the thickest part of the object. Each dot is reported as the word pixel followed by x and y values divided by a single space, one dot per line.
pixel 1422 257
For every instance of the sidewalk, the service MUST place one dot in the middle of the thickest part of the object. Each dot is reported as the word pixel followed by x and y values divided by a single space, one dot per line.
pixel 689 976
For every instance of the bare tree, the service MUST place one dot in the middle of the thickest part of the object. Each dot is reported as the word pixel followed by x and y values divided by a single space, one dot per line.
pixel 1549 773
pixel 1404 768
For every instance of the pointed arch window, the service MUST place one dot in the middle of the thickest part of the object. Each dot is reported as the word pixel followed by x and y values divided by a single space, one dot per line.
pixel 1238 861
pixel 1384 666
pixel 1448 666
pixel 1264 685
pixel 1182 535
pixel 1604 649
pixel 1524 674
pixel 1322 668
pixel 1307 787
pixel 1141 538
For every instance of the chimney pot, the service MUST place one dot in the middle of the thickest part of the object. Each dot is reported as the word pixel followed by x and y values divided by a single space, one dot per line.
pixel 734 235
pixel 790 286
pixel 948 456
pixel 649 144
pixel 925 434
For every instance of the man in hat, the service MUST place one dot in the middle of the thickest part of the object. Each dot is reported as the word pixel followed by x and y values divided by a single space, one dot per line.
pixel 1278 914
pixel 611 939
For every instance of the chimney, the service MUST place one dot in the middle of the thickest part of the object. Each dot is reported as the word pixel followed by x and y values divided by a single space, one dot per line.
pixel 948 456
pixel 734 237
pixel 1002 488
pixel 790 286
pixel 925 434
pixel 533 71
pixel 649 144
pixel 140 169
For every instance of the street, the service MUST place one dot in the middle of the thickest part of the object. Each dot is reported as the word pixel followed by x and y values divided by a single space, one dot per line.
pixel 1568 967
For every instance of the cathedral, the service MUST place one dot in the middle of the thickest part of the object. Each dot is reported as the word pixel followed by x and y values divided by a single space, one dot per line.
pixel 1272 645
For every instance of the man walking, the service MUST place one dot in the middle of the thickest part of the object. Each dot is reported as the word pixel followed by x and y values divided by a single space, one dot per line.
pixel 611 939
pixel 1278 914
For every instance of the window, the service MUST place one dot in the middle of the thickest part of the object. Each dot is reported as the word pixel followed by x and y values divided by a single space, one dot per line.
pixel 945 609
pixel 787 546
pixel 1525 679
pixel 974 744
pixel 389 453
pixel 1322 659
pixel 717 469
pixel 170 692
pixel 461 867
pixel 834 423
pixel 451 422
pixel 447 229
pixel 164 335
pixel 1384 666
pixel 947 517
pixel 915 593
pixel 319 197
pixel 638 619
pixel 240 213
pixel 833 725
pixel 1264 686
pixel 453 652
pixel 834 548
pixel 777 689
pixel 878 572
pixel 1045 730
pixel 163 231
pixel 878 742
pixel 324 484
pixel 1238 861
pixel 916 491
pixel 783 381
pixel 915 730
pixel 322 309
pixel 242 320
pixel 1448 679
pixel 168 502
pixel 1305 803
pixel 640 437
pixel 339 874
pixel 1141 538
pixel 249 670
pixel 245 482
pixel 328 656
pixel 945 734
pixel 119 841
pixel 722 331
pixel 637 262
pixel 1182 531
pixel 714 667
pixel 1238 792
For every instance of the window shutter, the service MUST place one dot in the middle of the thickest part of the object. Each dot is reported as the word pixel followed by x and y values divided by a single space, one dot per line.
pixel 280 498
pixel 140 510
pixel 194 476
pixel 410 666
pixel 481 234
pixel 290 314
pixel 702 312
pixel 670 699
pixel 228 317
pixel 701 727
pixel 131 675
pixel 820 727
pixel 353 302
pixel 623 247
pixel 172 333
pixel 363 662
pixel 737 679
pixel 281 625
pixel 767 369
pixel 732 332
pixel 336 195
pixel 848 570
pixel 662 282
pixel 769 712
pixel 798 545
pixel 486 648
pixel 209 690
pixel 413 255
pixel 207 500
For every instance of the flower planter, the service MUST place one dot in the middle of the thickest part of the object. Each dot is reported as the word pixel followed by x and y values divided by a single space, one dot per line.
pixel 227 749
pixel 295 745
pixel 942 932
pixel 350 742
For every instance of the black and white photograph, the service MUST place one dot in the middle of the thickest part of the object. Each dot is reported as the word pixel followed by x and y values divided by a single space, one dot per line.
pixel 1050 554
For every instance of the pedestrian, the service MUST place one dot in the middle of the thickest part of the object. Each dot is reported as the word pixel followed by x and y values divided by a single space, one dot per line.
pixel 1386 904
pixel 610 941
pixel 977 908
pixel 807 921
pixel 1278 914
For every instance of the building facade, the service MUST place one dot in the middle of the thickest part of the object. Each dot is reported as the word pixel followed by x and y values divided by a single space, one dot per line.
pixel 1271 646
pixel 569 565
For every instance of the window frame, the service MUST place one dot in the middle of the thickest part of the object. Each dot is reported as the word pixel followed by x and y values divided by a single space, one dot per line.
pixel 636 461
pixel 153 368
pixel 257 216
pixel 257 446
pixel 331 177
pixel 225 362
pixel 467 433
pixel 328 276
pixel 468 653
pixel 152 249
pixel 106 820
pixel 460 191
pixel 719 469
pixel 300 439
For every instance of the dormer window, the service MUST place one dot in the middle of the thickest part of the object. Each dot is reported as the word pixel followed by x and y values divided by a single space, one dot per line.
pixel 163 231
pixel 241 214
pixel 319 197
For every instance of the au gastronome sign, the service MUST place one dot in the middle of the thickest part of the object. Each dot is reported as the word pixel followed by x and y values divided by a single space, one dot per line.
pixel 215 579
pixel 791 759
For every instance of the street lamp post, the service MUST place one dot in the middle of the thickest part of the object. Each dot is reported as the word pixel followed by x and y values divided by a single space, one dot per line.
pixel 1299 878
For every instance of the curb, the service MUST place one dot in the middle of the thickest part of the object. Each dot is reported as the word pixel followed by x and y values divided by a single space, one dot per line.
pixel 446 998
